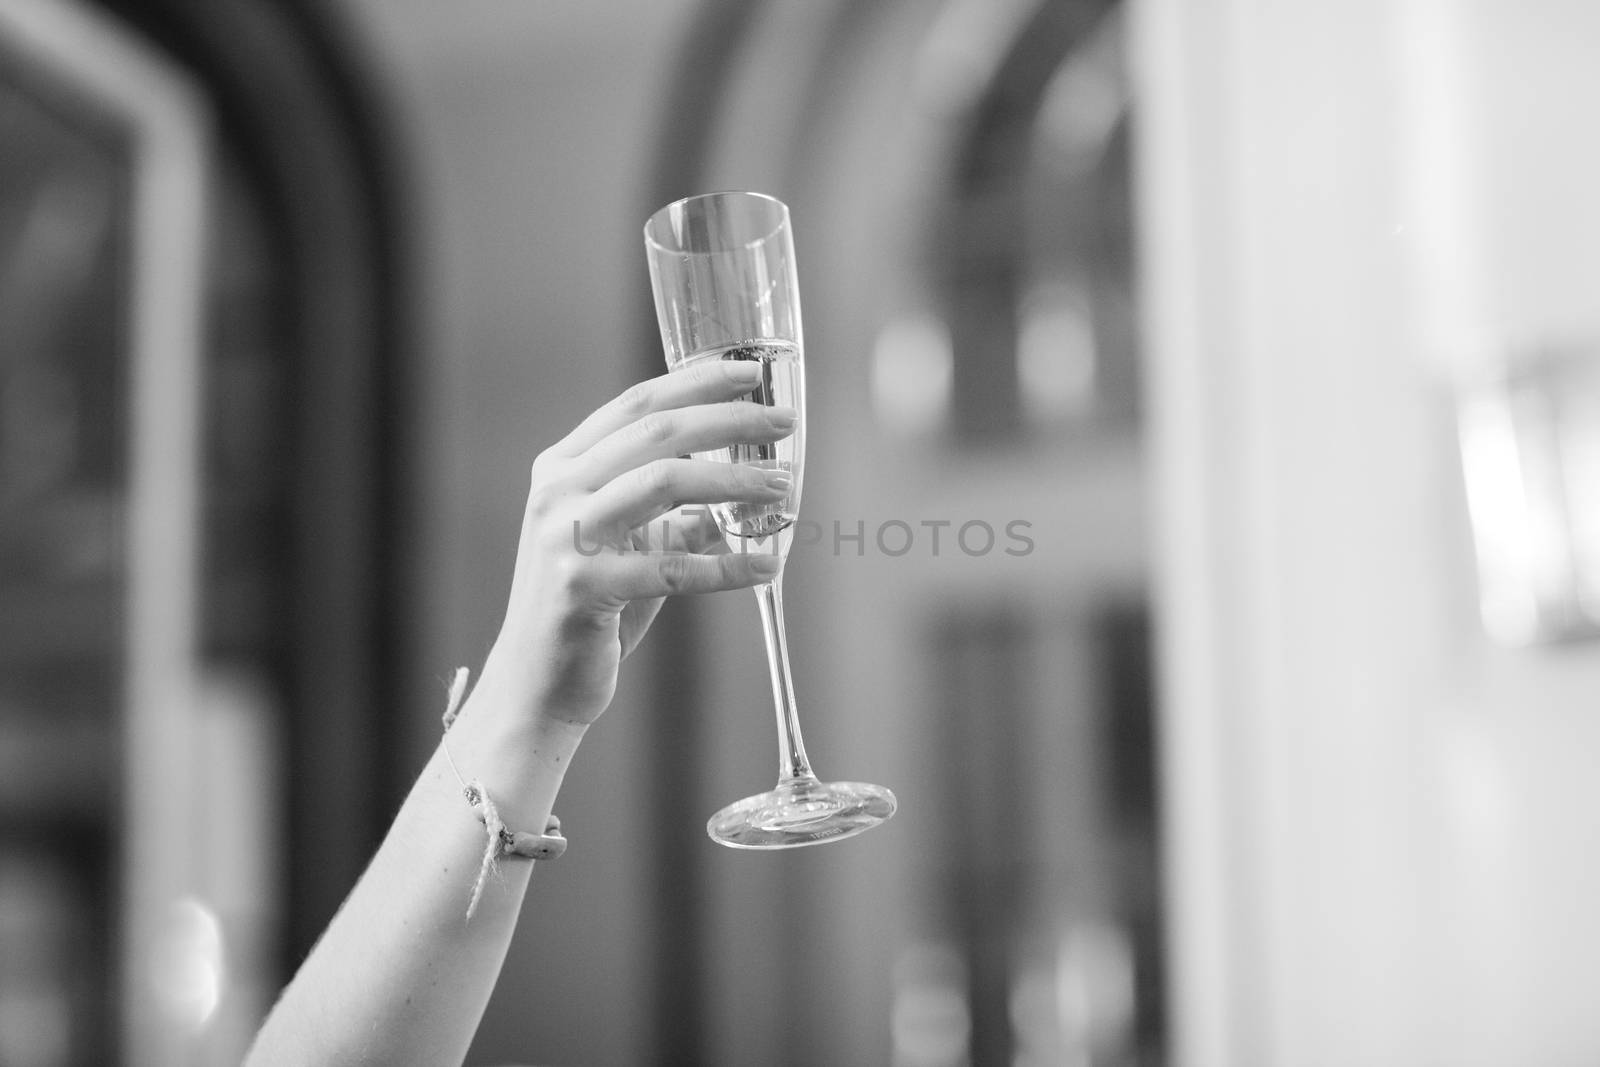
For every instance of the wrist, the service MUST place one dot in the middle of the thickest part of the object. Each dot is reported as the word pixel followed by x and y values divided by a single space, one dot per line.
pixel 551 679
pixel 504 719
pixel 518 754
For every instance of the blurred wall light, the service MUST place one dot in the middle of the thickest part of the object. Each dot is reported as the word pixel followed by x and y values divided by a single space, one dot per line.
pixel 1530 453
pixel 1498 228
pixel 1056 356
pixel 912 369
pixel 1095 992
pixel 930 1023
pixel 1086 100
pixel 187 970
pixel 1481 801
pixel 961 51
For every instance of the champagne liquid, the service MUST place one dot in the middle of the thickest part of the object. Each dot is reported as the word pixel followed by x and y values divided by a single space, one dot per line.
pixel 782 384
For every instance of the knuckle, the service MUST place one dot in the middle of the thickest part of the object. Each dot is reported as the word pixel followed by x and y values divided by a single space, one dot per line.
pixel 635 401
pixel 543 484
pixel 542 500
pixel 572 577
pixel 540 470
pixel 654 480
pixel 560 540
pixel 756 419
pixel 676 573
pixel 654 429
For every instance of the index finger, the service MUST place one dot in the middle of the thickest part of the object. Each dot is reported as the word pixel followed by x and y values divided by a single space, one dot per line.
pixel 702 383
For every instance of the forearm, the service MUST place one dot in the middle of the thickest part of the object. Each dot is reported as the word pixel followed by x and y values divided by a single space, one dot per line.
pixel 401 976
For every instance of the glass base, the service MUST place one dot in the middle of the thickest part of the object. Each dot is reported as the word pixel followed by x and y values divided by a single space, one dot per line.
pixel 801 812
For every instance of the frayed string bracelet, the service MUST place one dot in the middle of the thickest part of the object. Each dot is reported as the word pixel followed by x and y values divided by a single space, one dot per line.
pixel 501 841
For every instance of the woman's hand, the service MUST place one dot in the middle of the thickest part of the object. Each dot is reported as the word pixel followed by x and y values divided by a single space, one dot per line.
pixel 607 533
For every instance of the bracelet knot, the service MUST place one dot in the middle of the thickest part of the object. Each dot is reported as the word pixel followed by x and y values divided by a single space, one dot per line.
pixel 501 840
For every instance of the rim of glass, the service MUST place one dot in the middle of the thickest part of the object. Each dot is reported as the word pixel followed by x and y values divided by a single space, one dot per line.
pixel 723 194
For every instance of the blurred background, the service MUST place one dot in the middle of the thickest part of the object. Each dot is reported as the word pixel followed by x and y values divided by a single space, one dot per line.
pixel 1203 518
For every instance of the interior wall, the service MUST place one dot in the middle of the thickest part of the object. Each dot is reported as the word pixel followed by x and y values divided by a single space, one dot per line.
pixel 1383 824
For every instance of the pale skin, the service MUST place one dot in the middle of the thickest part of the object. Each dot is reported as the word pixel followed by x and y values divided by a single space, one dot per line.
pixel 401 976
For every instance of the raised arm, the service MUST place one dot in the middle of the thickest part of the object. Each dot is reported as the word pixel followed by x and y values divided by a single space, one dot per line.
pixel 401 975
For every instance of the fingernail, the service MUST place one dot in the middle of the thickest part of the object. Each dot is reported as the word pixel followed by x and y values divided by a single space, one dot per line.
pixel 783 418
pixel 765 564
pixel 742 370
pixel 780 480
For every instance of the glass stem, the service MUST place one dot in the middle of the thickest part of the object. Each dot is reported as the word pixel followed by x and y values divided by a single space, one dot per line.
pixel 792 762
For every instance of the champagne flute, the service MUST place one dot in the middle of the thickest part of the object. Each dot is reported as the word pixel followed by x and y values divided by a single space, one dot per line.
pixel 722 272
